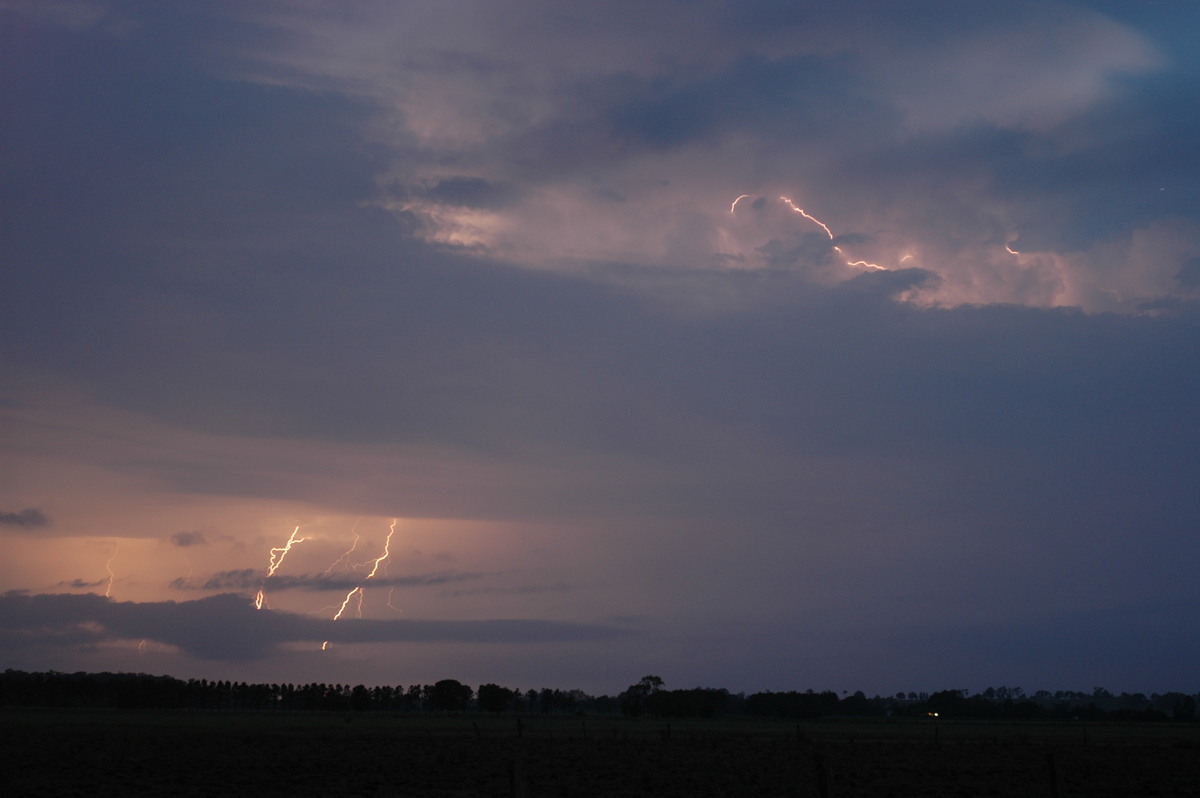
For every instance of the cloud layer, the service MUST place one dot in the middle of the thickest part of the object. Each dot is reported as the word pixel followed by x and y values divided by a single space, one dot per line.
pixel 824 346
pixel 228 627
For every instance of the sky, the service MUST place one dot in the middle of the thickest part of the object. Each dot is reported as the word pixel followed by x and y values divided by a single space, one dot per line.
pixel 760 345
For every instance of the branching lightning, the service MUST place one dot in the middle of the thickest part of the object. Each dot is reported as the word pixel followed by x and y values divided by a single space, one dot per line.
pixel 277 555
pixel 358 591
pixel 345 557
pixel 387 544
pixel 797 209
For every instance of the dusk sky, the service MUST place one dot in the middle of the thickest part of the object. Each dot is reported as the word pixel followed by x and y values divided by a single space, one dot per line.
pixel 758 345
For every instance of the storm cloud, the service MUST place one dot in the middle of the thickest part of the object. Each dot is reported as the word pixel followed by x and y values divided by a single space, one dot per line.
pixel 837 344
pixel 249 579
pixel 228 627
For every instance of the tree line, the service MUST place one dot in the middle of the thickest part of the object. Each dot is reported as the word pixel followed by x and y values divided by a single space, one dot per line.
pixel 648 697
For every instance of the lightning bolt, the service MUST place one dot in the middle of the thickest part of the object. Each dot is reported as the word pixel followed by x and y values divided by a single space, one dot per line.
pixel 277 555
pixel 345 556
pixel 387 544
pixel 358 591
pixel 797 209
pixel 345 602
pixel 864 264
pixel 108 567
pixel 810 217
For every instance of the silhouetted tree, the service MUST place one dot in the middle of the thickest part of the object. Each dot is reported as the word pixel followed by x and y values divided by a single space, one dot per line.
pixel 946 702
pixel 360 698
pixel 494 698
pixel 633 700
pixel 451 695
pixel 699 702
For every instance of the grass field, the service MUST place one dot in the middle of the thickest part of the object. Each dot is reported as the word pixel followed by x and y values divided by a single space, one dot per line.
pixel 48 753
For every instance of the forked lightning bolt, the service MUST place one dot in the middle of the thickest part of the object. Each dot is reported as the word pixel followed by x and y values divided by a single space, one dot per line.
pixel 793 206
pixel 358 590
pixel 277 555
pixel 345 557
pixel 387 544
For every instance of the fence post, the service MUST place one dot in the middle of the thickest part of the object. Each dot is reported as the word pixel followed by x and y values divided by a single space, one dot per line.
pixel 824 777
pixel 1056 782
pixel 518 784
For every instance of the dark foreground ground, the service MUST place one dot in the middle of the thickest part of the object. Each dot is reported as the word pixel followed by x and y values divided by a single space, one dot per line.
pixel 50 753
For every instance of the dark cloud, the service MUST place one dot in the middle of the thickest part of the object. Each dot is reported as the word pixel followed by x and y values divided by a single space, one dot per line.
pixel 188 538
pixel 227 627
pixel 29 518
pixel 239 579
pixel 470 192
pixel 520 590
pixel 252 579
pixel 82 584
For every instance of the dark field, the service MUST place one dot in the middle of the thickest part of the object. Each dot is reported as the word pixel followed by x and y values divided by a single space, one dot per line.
pixel 197 754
